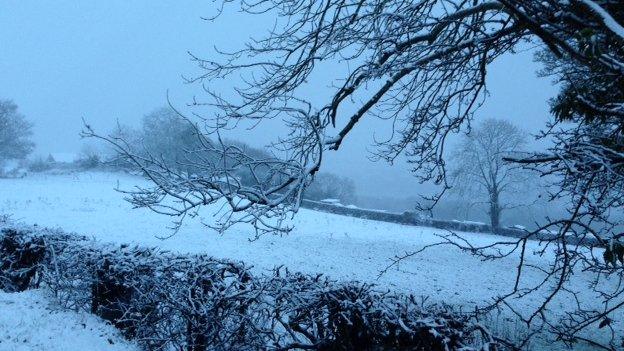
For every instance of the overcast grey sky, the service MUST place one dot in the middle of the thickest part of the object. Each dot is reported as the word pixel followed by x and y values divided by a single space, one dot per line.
pixel 104 61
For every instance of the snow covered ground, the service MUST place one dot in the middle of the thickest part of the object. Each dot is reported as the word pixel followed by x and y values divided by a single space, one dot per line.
pixel 341 247
pixel 30 321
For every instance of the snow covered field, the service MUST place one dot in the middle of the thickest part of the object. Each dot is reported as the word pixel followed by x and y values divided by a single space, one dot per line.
pixel 30 321
pixel 341 247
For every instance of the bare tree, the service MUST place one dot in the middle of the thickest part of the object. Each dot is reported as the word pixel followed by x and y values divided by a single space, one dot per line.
pixel 169 137
pixel 480 173
pixel 421 66
pixel 132 139
pixel 15 133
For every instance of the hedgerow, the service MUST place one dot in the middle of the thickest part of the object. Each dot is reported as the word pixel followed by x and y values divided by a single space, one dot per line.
pixel 168 301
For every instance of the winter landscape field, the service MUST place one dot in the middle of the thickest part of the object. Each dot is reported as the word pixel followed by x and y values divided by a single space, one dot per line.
pixel 341 247
pixel 326 175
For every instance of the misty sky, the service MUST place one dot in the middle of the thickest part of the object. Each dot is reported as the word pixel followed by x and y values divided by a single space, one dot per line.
pixel 102 61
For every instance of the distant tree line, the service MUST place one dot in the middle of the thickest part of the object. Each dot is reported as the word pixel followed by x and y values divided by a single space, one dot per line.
pixel 180 145
pixel 163 135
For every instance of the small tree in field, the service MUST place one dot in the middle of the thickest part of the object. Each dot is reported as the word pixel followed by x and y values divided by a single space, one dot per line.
pixel 15 133
pixel 479 169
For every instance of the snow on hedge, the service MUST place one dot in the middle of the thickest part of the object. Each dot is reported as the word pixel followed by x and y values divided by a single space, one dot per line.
pixel 167 301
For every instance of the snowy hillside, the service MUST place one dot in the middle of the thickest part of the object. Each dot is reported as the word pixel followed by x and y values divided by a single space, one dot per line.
pixel 341 247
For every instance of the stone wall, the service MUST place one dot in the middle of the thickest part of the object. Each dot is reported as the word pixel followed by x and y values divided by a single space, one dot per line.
pixel 412 218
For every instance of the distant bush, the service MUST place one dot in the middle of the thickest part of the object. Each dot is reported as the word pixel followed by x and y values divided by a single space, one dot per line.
pixel 40 164
pixel 166 301
pixel 331 186
pixel 88 158
pixel 89 162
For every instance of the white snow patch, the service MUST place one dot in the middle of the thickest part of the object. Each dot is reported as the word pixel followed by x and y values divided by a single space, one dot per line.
pixel 331 201
pixel 30 321
pixel 608 20
pixel 468 222
pixel 473 223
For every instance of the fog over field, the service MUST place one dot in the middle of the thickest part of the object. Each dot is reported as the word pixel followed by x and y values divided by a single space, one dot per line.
pixel 119 61
pixel 298 172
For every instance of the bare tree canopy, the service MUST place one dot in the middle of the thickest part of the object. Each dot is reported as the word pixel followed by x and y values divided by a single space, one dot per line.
pixel 479 171
pixel 15 132
pixel 422 67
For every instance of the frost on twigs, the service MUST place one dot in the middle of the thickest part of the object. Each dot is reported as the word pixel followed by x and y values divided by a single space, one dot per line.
pixel 263 191
pixel 20 260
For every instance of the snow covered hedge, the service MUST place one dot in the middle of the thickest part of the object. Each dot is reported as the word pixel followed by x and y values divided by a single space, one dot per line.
pixel 168 301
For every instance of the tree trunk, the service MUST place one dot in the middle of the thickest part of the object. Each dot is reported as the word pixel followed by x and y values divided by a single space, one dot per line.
pixel 495 212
